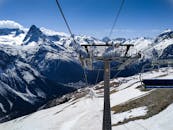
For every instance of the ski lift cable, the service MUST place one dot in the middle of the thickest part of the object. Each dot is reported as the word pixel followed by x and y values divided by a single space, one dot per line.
pixel 65 20
pixel 117 74
pixel 116 18
pixel 85 76
pixel 98 74
pixel 70 31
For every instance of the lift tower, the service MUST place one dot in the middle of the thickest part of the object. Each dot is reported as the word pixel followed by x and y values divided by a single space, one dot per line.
pixel 123 59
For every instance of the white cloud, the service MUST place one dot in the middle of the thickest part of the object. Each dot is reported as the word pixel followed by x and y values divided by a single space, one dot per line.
pixel 10 24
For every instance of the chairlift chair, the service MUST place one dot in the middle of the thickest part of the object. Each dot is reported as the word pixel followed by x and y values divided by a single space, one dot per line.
pixel 156 82
pixel 87 62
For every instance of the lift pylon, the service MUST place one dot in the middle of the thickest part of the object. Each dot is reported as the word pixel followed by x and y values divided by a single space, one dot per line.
pixel 107 60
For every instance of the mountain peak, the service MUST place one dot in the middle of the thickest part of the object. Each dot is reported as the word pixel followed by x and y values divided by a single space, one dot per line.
pixel 167 34
pixel 34 29
pixel 106 39
pixel 33 35
pixel 167 31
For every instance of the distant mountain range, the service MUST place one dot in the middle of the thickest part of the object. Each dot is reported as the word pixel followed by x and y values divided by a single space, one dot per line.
pixel 37 64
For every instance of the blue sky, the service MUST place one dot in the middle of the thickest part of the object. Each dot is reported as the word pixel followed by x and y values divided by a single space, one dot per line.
pixel 93 17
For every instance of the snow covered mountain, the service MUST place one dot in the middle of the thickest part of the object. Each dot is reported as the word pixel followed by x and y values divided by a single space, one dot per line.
pixel 22 88
pixel 38 64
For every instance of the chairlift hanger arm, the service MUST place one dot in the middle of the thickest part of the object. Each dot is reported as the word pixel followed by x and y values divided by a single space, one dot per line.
pixel 86 48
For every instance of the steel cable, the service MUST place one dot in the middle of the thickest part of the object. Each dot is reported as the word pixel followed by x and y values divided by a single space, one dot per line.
pixel 116 18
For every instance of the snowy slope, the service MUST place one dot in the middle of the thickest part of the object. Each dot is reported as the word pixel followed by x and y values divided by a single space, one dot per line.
pixel 86 113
